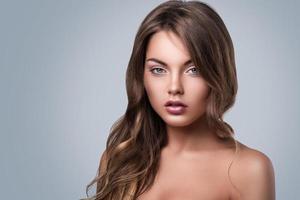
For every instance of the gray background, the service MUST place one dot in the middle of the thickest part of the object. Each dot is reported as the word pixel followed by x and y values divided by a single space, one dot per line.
pixel 62 84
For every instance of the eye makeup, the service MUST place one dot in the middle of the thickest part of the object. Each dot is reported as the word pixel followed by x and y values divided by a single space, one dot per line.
pixel 159 70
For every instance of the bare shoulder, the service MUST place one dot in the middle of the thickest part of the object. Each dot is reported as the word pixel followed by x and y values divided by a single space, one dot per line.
pixel 253 174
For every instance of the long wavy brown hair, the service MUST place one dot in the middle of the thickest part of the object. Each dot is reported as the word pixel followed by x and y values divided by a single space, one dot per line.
pixel 130 160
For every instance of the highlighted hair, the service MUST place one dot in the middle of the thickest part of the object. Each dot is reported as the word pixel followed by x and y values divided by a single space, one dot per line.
pixel 131 159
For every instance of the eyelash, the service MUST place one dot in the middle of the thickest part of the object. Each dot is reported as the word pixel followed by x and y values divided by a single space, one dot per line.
pixel 154 68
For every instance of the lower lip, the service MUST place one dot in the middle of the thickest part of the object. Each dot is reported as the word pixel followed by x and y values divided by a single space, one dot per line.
pixel 175 110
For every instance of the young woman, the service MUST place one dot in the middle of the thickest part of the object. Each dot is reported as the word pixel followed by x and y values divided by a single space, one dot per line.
pixel 172 142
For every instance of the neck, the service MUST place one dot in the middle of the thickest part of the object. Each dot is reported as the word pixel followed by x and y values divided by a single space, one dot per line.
pixel 194 138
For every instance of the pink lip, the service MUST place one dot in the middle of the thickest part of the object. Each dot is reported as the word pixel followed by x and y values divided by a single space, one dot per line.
pixel 175 110
pixel 175 103
pixel 175 107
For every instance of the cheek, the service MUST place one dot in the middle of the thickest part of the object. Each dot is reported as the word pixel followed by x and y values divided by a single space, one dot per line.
pixel 198 91
pixel 153 89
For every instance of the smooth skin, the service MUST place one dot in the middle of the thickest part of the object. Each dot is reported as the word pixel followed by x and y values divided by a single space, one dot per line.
pixel 194 163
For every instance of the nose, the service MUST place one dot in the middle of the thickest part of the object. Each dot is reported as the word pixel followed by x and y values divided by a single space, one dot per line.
pixel 175 86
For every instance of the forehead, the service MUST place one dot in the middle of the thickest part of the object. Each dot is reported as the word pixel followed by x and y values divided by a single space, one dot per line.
pixel 168 47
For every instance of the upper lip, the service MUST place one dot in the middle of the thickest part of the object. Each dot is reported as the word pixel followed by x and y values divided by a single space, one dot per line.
pixel 175 103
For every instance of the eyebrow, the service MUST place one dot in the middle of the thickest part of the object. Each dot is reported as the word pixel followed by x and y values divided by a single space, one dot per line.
pixel 163 63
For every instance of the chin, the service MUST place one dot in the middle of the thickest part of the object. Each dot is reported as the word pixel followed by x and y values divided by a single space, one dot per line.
pixel 177 121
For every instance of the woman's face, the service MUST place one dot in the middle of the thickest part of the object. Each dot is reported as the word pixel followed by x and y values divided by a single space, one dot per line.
pixel 170 75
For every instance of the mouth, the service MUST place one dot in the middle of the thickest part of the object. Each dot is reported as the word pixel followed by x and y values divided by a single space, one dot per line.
pixel 175 104
pixel 175 107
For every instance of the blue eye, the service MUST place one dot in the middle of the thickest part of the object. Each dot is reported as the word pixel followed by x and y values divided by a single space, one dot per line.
pixel 196 70
pixel 157 69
